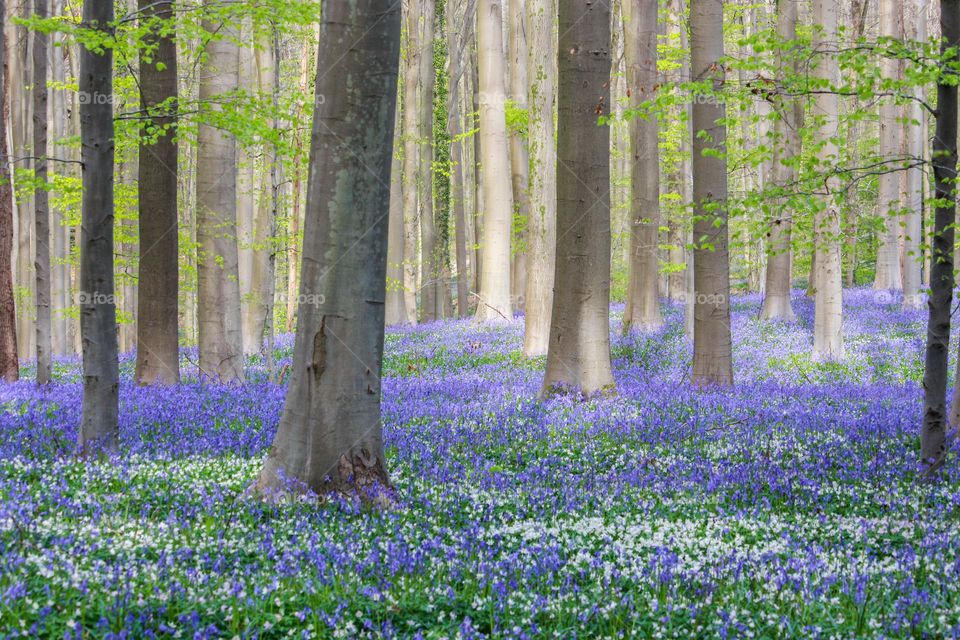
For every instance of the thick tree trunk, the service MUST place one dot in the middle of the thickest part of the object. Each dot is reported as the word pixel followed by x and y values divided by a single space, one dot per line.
pixel 913 180
pixel 494 303
pixel 99 429
pixel 431 286
pixel 41 197
pixel 157 303
pixel 828 286
pixel 888 183
pixel 786 146
pixel 218 289
pixel 542 224
pixel 329 438
pixel 712 356
pixel 9 362
pixel 519 155
pixel 20 105
pixel 579 352
pixel 933 437
pixel 643 295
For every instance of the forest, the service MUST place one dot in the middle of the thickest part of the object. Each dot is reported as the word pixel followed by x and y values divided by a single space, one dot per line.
pixel 468 319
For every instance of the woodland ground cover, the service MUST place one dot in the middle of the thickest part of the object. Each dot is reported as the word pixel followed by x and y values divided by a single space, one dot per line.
pixel 787 506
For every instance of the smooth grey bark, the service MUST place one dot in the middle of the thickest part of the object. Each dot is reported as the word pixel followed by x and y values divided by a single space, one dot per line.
pixel 431 280
pixel 395 312
pixel 495 303
pixel 640 47
pixel 41 196
pixel 99 431
pixel 9 361
pixel 827 268
pixel 411 154
pixel 933 434
pixel 157 302
pixel 786 146
pixel 218 289
pixel 542 223
pixel 20 105
pixel 915 141
pixel 519 154
pixel 329 438
pixel 578 356
pixel 712 343
pixel 888 276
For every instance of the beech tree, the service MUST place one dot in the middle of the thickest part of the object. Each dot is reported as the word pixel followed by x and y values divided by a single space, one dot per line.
pixel 712 344
pixel 9 361
pixel 578 356
pixel 542 223
pixel 41 195
pixel 157 337
pixel 786 147
pixel 218 288
pixel 827 268
pixel 329 438
pixel 640 46
pixel 99 431
pixel 411 153
pixel 494 303
pixel 933 434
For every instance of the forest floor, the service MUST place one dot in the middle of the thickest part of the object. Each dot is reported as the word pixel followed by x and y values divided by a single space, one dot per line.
pixel 787 506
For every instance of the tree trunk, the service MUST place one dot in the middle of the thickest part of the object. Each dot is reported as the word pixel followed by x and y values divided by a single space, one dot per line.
pixel 430 277
pixel 494 303
pixel 411 151
pixel 827 269
pixel 329 438
pixel 933 438
pixel 542 224
pixel 41 196
pixel 519 155
pixel 712 359
pixel 579 352
pixel 20 62
pixel 247 202
pixel 888 183
pixel 786 146
pixel 9 361
pixel 456 45
pixel 157 303
pixel 395 312
pixel 914 178
pixel 218 289
pixel 643 295
pixel 99 429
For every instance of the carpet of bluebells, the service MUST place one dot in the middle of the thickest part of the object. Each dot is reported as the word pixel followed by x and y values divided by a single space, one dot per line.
pixel 787 507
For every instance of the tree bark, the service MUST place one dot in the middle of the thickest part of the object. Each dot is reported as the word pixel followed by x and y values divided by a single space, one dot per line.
pixel 786 146
pixel 519 154
pixel 329 438
pixel 9 361
pixel 933 437
pixel 888 276
pixel 914 178
pixel 495 301
pixel 542 224
pixel 828 286
pixel 157 303
pixel 99 431
pixel 41 196
pixel 578 356
pixel 395 312
pixel 431 286
pixel 643 295
pixel 218 289
pixel 712 344
pixel 411 153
